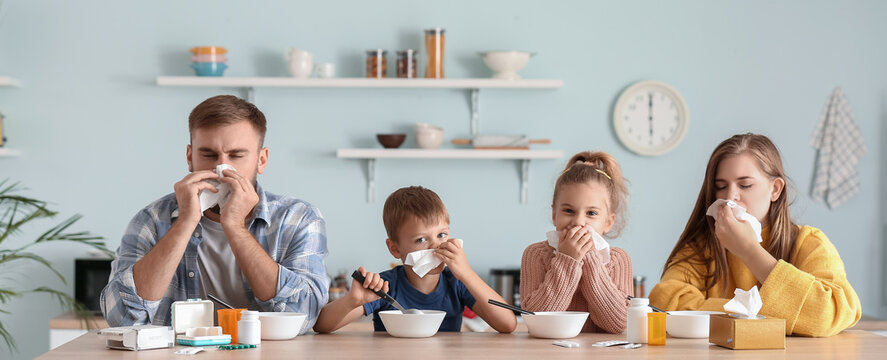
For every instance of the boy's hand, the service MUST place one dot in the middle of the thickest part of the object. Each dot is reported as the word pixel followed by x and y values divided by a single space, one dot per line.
pixel 363 293
pixel 575 242
pixel 454 257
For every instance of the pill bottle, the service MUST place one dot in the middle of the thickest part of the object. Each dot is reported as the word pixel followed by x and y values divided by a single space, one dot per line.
pixel 249 329
pixel 656 328
pixel 636 320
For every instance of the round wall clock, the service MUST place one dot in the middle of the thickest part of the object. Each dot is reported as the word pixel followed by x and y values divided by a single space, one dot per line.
pixel 651 118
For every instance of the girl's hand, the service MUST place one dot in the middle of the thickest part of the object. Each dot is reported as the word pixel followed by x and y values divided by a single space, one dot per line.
pixel 363 293
pixel 734 235
pixel 575 242
pixel 454 257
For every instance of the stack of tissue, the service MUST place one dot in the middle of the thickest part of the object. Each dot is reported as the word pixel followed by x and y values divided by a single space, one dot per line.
pixel 739 212
pixel 601 245
pixel 424 261
pixel 208 198
pixel 745 304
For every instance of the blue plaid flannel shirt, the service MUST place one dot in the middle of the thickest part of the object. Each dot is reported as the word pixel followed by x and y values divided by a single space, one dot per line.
pixel 292 232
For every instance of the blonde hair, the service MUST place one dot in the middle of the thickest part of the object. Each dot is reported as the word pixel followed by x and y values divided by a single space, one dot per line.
pixel 415 201
pixel 699 233
pixel 598 167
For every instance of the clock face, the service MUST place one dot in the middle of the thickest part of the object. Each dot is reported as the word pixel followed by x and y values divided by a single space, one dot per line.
pixel 650 118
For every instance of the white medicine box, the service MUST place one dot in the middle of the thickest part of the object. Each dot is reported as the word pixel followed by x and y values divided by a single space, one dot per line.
pixel 192 321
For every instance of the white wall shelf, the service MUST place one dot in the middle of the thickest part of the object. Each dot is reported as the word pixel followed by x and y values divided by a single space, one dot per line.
pixel 524 156
pixel 8 81
pixel 7 152
pixel 473 85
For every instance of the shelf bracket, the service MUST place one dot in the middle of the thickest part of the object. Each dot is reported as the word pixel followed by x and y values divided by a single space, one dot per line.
pixel 371 179
pixel 251 94
pixel 475 113
pixel 524 180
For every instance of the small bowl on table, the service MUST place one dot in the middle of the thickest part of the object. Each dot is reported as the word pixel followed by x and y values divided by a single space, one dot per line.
pixel 555 324
pixel 688 324
pixel 391 141
pixel 398 324
pixel 281 325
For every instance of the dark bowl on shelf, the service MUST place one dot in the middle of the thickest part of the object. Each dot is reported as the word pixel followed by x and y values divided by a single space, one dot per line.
pixel 391 141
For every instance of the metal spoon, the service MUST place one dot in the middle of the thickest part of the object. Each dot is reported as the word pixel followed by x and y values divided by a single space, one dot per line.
pixel 360 278
pixel 211 296
pixel 510 307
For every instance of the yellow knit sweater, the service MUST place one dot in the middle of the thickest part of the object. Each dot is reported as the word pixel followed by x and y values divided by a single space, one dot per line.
pixel 812 294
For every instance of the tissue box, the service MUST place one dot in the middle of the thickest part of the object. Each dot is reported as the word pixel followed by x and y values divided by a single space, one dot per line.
pixel 736 333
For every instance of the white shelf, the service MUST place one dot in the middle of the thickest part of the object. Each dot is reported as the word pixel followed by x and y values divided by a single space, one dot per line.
pixel 8 81
pixel 524 156
pixel 7 152
pixel 447 154
pixel 253 82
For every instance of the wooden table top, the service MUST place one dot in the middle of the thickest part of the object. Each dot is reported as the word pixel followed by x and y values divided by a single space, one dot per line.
pixel 368 345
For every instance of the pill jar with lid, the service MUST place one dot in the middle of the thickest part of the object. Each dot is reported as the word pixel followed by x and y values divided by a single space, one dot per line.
pixel 636 320
pixel 249 329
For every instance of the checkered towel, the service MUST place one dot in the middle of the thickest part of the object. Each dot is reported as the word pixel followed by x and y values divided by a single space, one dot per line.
pixel 840 146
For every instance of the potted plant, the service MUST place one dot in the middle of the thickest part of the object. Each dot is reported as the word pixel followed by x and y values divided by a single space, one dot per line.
pixel 15 211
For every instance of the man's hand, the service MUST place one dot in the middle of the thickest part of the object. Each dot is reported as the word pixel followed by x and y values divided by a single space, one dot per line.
pixel 241 201
pixel 187 194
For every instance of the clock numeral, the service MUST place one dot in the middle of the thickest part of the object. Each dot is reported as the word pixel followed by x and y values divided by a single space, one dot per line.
pixel 632 107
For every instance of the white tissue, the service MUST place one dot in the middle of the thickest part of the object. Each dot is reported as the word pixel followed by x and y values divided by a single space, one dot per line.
pixel 424 261
pixel 745 304
pixel 208 198
pixel 739 212
pixel 601 245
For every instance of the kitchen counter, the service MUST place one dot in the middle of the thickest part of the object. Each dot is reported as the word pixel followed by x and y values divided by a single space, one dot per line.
pixel 369 345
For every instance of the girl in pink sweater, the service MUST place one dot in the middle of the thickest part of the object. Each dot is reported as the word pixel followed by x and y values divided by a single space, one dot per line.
pixel 575 269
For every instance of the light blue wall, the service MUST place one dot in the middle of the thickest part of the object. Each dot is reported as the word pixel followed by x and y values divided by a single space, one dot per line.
pixel 99 138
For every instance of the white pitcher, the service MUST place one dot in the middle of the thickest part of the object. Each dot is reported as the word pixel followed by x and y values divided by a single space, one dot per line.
pixel 300 62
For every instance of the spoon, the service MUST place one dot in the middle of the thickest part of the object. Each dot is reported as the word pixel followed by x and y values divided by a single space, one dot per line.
pixel 511 307
pixel 360 278
pixel 211 296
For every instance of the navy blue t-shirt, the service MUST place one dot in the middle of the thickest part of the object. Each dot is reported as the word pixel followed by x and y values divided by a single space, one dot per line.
pixel 451 296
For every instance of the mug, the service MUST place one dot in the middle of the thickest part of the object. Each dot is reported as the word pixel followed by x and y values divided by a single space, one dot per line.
pixel 325 70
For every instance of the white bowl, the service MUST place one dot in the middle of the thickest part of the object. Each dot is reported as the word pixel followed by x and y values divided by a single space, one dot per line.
pixel 281 325
pixel 428 136
pixel 555 324
pixel 688 324
pixel 399 324
pixel 505 64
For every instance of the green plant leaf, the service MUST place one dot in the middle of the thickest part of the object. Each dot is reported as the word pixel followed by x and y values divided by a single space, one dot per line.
pixel 6 295
pixel 31 256
pixel 7 337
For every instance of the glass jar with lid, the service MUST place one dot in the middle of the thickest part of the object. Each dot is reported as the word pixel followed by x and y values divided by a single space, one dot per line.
pixel 377 64
pixel 434 48
pixel 406 63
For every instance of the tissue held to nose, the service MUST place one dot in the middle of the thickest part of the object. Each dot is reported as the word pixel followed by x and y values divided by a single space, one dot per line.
pixel 600 244
pixel 209 199
pixel 739 212
pixel 424 261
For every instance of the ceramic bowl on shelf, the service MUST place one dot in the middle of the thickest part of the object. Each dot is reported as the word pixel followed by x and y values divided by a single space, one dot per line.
pixel 208 50
pixel 398 324
pixel 209 58
pixel 505 64
pixel 281 325
pixel 209 68
pixel 391 141
pixel 428 136
pixel 555 324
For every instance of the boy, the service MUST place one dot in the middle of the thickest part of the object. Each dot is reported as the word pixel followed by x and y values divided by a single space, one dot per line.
pixel 415 219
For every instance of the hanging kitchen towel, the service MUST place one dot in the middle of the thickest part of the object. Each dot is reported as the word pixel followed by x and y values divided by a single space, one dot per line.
pixel 840 146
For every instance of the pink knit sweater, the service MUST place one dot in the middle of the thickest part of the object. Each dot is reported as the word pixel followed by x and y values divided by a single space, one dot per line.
pixel 552 281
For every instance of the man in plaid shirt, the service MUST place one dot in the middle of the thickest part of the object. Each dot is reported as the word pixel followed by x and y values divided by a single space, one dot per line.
pixel 258 250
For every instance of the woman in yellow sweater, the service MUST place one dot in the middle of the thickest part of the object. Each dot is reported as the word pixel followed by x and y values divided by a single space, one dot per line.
pixel 799 272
